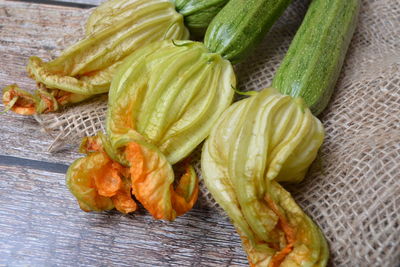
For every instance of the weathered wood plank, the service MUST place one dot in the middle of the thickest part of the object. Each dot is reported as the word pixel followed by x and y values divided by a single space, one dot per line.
pixel 34 164
pixel 30 29
pixel 41 222
pixel 91 2
pixel 41 225
pixel 22 137
pixel 75 3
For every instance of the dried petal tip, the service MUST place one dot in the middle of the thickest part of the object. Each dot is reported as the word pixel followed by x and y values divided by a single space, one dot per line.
pixel 91 144
pixel 25 103
pixel 100 184
pixel 116 29
pixel 19 101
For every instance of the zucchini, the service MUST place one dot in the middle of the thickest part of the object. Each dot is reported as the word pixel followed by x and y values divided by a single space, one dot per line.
pixel 312 64
pixel 198 13
pixel 240 25
pixel 270 138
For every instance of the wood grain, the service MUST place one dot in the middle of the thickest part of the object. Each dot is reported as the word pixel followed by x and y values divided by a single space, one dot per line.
pixel 40 221
pixel 41 225
pixel 22 137
pixel 87 2
pixel 28 29
pixel 76 3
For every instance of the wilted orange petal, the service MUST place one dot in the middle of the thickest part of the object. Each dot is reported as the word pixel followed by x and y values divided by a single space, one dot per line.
pixel 18 101
pixel 152 179
pixel 136 159
pixel 108 180
pixel 186 193
pixel 123 201
pixel 147 185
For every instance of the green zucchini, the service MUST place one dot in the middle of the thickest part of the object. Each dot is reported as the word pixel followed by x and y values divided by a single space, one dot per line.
pixel 312 64
pixel 240 25
pixel 199 13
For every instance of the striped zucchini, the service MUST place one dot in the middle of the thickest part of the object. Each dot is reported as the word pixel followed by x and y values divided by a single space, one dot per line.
pixel 271 137
pixel 198 13
pixel 241 25
pixel 312 64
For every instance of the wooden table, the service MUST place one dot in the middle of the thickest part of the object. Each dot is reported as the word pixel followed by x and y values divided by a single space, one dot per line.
pixel 40 221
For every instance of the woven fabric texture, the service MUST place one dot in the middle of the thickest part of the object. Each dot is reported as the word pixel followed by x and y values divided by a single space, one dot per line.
pixel 353 188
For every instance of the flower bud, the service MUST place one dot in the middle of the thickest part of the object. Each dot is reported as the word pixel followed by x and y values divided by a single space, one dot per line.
pixel 258 141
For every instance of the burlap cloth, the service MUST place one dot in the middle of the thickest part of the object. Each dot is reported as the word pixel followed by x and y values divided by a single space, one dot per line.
pixel 353 189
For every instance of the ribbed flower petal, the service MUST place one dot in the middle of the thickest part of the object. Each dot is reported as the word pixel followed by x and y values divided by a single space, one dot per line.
pixel 163 102
pixel 171 93
pixel 115 30
pixel 258 141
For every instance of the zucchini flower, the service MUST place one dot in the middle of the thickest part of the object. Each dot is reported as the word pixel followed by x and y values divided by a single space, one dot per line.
pixel 163 101
pixel 114 30
pixel 256 143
